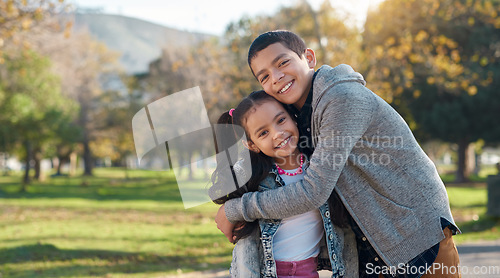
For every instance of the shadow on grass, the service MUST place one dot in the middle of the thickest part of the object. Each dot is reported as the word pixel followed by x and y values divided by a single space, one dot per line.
pixel 100 262
pixel 190 236
pixel 100 193
pixel 107 184
pixel 166 191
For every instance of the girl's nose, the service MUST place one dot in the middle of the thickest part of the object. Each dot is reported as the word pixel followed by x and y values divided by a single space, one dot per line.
pixel 279 135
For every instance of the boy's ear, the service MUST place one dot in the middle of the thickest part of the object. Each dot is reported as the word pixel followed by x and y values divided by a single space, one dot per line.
pixel 310 57
pixel 251 146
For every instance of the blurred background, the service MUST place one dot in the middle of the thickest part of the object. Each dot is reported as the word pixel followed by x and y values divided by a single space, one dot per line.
pixel 74 73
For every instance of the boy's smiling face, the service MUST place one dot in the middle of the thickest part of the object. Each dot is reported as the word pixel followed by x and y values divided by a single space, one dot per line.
pixel 283 74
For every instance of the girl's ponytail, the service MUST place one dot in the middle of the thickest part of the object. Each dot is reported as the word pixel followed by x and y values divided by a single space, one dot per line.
pixel 227 134
pixel 225 138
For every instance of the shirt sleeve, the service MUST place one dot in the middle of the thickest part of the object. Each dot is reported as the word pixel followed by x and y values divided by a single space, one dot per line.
pixel 344 114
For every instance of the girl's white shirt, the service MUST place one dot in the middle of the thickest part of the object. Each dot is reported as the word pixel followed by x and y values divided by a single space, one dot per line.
pixel 298 237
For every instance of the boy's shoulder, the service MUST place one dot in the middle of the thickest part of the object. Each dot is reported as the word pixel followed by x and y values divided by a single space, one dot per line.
pixel 328 76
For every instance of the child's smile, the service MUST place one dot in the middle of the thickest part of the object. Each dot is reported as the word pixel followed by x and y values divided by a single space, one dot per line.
pixel 273 132
pixel 282 144
pixel 284 90
pixel 283 74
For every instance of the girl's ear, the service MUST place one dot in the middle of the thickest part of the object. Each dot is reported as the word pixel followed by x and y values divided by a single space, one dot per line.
pixel 251 146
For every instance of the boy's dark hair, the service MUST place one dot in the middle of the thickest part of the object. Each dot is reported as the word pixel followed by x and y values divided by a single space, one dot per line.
pixel 289 39
pixel 260 163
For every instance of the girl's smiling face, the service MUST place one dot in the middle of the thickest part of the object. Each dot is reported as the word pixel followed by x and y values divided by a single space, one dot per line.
pixel 273 131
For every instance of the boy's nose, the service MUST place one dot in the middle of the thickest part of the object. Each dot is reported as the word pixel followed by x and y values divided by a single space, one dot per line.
pixel 277 76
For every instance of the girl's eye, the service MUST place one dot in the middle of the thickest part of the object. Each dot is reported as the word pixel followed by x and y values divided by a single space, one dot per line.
pixel 263 133
pixel 281 120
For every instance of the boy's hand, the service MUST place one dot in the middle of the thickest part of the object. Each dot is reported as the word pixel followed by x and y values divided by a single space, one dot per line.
pixel 224 225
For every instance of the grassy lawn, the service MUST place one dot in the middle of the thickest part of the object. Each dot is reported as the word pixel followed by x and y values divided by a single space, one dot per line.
pixel 468 205
pixel 133 224
pixel 105 226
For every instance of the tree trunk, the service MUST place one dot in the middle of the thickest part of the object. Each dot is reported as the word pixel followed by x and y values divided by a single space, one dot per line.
pixel 72 163
pixel 477 164
pixel 60 162
pixel 461 175
pixel 5 167
pixel 26 179
pixel 37 168
pixel 87 157
pixel 320 58
pixel 127 177
pixel 470 162
pixel 85 101
pixel 180 161
pixel 191 165
pixel 37 157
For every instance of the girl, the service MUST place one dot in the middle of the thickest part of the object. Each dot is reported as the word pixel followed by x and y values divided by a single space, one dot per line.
pixel 290 247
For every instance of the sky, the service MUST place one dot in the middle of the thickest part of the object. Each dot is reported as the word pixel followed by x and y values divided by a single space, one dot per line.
pixel 207 16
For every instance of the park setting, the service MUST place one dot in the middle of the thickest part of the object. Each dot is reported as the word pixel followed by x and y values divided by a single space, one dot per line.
pixel 76 200
pixel 132 223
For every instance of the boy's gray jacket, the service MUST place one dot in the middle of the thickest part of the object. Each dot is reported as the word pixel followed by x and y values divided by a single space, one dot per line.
pixel 253 255
pixel 367 153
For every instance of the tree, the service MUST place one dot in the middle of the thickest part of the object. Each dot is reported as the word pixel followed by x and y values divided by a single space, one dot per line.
pixel 17 17
pixel 20 21
pixel 180 69
pixel 118 108
pixel 437 62
pixel 33 107
pixel 324 31
pixel 80 61
pixel 84 64
pixel 220 67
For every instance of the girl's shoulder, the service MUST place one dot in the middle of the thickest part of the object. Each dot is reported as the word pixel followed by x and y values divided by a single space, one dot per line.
pixel 272 181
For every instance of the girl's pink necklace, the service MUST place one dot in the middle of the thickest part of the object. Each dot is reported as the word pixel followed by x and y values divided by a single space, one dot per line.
pixel 299 171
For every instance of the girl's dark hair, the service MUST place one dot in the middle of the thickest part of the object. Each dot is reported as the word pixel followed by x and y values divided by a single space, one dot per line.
pixel 260 163
pixel 289 39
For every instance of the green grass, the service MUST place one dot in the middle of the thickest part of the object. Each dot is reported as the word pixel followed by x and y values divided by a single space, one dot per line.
pixel 110 225
pixel 133 224
pixel 447 173
pixel 468 205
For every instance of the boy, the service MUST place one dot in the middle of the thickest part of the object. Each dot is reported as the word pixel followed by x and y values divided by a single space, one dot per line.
pixel 363 159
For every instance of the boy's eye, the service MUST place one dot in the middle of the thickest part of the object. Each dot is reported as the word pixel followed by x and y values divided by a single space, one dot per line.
pixel 284 62
pixel 264 78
